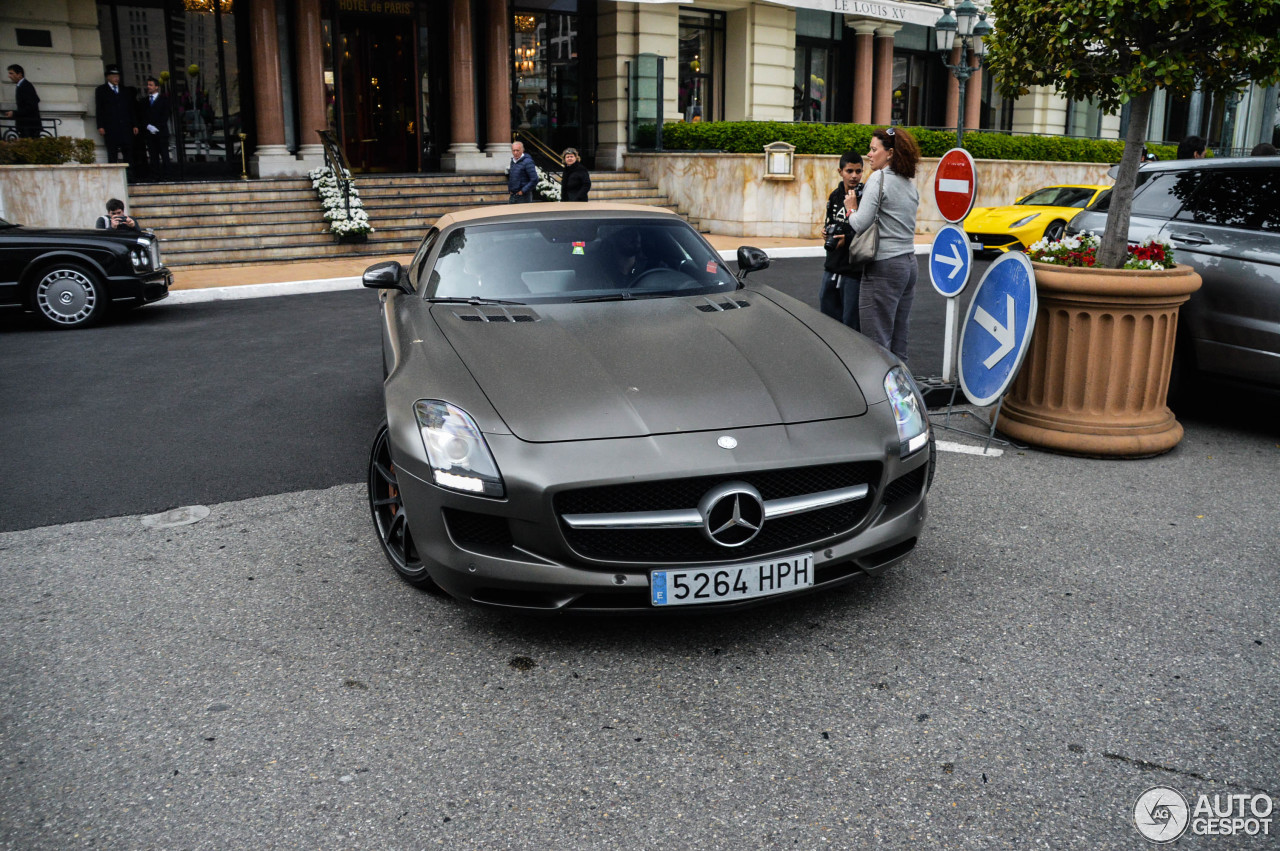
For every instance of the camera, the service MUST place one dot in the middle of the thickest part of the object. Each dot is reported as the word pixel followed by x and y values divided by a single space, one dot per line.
pixel 832 233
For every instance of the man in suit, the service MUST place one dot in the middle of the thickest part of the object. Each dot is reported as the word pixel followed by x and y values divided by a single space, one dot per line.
pixel 155 120
pixel 27 115
pixel 117 116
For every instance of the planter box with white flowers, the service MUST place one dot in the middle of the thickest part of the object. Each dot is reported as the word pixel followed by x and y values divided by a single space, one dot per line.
pixel 347 217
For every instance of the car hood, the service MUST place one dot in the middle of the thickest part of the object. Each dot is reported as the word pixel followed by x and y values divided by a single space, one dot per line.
pixel 561 372
pixel 997 218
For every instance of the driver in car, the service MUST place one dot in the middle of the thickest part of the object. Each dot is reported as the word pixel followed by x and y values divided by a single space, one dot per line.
pixel 630 261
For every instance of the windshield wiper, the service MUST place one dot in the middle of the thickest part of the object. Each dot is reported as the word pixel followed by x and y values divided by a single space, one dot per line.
pixel 472 300
pixel 621 295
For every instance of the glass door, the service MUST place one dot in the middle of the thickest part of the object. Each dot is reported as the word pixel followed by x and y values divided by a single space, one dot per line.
pixel 378 92
pixel 190 47
pixel 546 78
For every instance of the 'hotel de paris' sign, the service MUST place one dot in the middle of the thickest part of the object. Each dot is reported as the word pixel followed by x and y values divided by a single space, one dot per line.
pixel 884 10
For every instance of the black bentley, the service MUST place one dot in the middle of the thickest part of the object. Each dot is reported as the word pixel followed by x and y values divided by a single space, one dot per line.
pixel 70 278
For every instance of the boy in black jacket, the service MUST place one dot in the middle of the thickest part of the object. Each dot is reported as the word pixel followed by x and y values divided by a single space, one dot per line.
pixel 838 297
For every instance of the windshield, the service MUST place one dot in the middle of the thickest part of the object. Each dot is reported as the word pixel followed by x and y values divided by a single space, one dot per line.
pixel 1059 196
pixel 576 259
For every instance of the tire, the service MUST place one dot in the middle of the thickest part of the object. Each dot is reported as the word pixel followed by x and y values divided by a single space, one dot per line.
pixel 67 295
pixel 389 519
pixel 1055 230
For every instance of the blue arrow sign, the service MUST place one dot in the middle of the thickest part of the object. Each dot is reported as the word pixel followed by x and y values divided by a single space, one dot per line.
pixel 950 261
pixel 997 329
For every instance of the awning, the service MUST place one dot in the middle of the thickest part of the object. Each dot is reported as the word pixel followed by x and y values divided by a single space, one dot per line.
pixel 890 11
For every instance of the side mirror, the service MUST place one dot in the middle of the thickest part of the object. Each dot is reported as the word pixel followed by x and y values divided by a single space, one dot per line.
pixel 385 276
pixel 751 259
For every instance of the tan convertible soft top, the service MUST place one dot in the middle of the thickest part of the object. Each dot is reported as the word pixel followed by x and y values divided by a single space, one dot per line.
pixel 520 211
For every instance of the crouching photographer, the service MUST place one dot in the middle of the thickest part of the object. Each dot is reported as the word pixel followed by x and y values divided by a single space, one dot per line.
pixel 116 218
pixel 838 297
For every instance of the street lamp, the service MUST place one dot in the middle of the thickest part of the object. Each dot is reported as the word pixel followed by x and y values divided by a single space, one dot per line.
pixel 970 24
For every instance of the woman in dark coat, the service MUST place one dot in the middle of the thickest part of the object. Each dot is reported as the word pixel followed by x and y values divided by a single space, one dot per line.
pixel 576 182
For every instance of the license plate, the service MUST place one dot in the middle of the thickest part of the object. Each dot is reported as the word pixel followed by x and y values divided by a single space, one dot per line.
pixel 691 586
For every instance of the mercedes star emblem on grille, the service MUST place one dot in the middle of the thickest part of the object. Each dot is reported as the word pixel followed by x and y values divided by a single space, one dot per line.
pixel 732 513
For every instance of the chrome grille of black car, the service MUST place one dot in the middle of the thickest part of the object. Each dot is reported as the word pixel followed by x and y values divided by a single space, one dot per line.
pixel 689 545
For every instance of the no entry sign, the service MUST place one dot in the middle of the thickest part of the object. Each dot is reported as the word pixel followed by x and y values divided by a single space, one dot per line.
pixel 955 185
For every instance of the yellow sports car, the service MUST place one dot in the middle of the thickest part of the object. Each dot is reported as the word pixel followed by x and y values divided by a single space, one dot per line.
pixel 1044 212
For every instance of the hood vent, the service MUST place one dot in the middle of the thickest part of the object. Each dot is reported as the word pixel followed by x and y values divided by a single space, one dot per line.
pixel 496 314
pixel 725 304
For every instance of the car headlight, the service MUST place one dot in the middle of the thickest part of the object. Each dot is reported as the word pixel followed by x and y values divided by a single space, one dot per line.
pixel 908 410
pixel 1022 221
pixel 140 257
pixel 460 459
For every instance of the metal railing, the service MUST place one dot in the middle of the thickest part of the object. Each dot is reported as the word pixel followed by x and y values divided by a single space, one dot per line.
pixel 336 161
pixel 9 128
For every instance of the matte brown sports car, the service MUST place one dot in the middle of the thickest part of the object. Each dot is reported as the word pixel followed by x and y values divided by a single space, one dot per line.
pixel 586 410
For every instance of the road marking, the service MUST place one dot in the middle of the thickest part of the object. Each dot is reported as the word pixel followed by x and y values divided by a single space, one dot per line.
pixel 966 449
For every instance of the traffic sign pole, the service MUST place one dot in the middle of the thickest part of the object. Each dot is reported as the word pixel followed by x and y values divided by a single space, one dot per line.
pixel 950 266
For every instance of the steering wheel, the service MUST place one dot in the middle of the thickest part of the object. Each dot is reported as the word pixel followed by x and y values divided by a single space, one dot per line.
pixel 635 282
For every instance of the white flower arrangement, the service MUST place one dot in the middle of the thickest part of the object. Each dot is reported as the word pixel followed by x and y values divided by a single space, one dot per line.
pixel 547 188
pixel 343 218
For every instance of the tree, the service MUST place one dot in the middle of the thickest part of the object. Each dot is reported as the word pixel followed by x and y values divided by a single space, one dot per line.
pixel 1122 51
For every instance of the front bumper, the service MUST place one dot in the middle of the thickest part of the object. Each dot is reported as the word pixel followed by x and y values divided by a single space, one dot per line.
pixel 134 290
pixel 517 552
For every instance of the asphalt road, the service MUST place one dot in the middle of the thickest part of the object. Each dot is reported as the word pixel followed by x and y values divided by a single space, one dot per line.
pixel 1068 634
pixel 218 401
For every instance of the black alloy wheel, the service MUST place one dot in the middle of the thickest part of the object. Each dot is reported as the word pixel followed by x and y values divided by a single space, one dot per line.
pixel 389 518
pixel 67 295
pixel 1055 230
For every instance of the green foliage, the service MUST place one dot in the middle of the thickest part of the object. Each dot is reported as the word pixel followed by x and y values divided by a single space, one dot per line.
pixel 750 137
pixel 46 151
pixel 1114 51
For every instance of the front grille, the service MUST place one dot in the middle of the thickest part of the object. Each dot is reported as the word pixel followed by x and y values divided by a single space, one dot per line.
pixel 994 239
pixel 469 529
pixel 684 545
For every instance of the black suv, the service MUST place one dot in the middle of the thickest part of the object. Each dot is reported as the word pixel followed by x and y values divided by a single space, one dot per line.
pixel 1222 217
pixel 71 277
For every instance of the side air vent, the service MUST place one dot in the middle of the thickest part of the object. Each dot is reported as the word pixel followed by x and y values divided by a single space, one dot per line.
pixel 720 306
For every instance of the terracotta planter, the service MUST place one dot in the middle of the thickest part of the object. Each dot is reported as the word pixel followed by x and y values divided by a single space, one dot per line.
pixel 1096 376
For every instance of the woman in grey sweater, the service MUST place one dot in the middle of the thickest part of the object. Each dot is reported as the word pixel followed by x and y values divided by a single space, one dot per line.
pixel 889 281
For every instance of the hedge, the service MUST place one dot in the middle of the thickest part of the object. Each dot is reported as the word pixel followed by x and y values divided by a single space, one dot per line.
pixel 46 150
pixel 750 137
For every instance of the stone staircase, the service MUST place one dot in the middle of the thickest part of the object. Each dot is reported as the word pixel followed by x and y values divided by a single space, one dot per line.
pixel 280 220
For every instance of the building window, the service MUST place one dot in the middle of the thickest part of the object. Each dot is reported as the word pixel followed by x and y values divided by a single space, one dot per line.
pixel 817 48
pixel 1084 118
pixel 701 73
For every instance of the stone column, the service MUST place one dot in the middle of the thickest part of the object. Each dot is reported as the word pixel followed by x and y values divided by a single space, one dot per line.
pixel 463 153
pixel 310 63
pixel 864 69
pixel 498 48
pixel 973 97
pixel 882 99
pixel 953 89
pixel 271 158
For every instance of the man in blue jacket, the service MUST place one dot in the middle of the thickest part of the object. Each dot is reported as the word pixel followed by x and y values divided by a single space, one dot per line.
pixel 522 177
